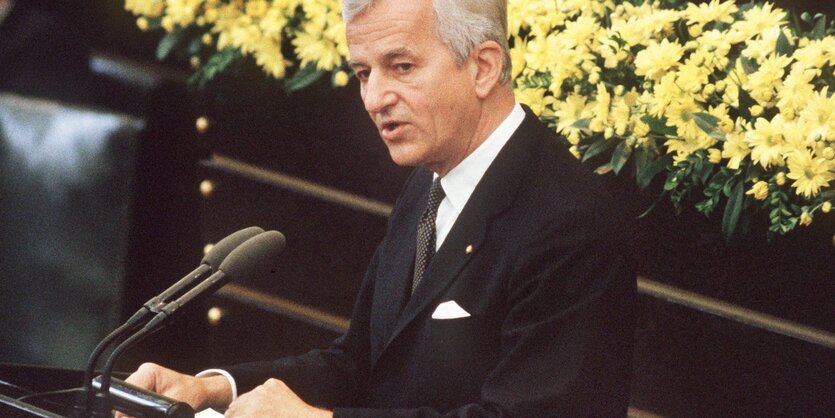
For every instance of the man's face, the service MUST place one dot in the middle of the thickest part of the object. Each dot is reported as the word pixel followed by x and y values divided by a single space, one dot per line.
pixel 423 102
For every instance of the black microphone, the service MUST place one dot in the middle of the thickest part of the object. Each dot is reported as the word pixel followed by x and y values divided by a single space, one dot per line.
pixel 254 258
pixel 139 402
pixel 210 262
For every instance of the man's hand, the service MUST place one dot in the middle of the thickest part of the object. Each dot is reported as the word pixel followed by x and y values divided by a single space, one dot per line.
pixel 199 392
pixel 273 399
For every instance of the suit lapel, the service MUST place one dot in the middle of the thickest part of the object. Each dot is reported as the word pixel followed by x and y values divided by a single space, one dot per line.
pixel 492 195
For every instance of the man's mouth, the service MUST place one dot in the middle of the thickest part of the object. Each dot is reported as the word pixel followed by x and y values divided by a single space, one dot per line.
pixel 389 128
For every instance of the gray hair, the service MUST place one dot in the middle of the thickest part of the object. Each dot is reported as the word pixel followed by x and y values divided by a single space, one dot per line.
pixel 461 24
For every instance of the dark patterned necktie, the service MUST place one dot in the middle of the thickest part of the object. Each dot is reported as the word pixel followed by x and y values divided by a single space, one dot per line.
pixel 426 232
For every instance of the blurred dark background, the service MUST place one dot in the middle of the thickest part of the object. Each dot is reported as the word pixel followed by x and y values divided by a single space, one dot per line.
pixel 165 171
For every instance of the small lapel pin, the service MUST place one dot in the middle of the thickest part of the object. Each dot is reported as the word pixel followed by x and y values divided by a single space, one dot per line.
pixel 469 249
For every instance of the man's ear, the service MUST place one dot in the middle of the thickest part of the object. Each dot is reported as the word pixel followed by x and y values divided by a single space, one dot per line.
pixel 488 59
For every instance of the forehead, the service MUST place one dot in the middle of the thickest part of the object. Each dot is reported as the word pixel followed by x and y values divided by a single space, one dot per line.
pixel 390 24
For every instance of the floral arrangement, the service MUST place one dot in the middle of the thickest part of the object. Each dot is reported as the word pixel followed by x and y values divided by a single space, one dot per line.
pixel 731 105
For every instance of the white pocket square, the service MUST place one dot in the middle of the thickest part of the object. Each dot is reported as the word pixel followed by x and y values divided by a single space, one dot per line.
pixel 449 310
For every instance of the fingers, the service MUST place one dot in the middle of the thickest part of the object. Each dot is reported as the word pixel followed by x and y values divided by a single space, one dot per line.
pixel 146 376
pixel 272 399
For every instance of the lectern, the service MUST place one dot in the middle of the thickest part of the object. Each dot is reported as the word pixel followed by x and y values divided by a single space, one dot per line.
pixel 25 381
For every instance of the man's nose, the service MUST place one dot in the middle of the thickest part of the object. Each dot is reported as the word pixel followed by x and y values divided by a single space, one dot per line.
pixel 377 94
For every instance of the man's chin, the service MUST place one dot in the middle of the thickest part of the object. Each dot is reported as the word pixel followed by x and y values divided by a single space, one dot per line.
pixel 401 158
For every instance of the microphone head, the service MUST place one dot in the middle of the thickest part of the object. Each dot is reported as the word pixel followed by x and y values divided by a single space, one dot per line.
pixel 254 258
pixel 221 250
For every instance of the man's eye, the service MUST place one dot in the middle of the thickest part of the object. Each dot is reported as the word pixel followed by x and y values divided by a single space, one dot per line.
pixel 403 68
pixel 362 75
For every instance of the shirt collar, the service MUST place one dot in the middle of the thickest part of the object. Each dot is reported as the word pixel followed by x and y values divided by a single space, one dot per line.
pixel 460 182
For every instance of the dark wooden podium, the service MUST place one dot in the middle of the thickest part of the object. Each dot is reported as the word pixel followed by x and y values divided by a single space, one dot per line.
pixel 23 381
pixel 17 380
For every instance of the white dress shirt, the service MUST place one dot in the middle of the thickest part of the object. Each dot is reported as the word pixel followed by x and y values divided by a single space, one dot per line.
pixel 460 182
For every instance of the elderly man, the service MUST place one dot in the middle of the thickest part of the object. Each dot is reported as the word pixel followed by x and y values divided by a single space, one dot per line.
pixel 503 286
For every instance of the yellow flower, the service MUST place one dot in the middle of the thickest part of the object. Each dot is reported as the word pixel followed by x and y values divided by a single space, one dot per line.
pixel 257 8
pixel 533 97
pixel 182 12
pixel 816 53
pixel 819 115
pixel 600 109
pixel 340 79
pixel 570 111
pixel 826 207
pixel 657 59
pixel 759 18
pixel 517 58
pixel 809 173
pixel 680 114
pixel 735 149
pixel 780 178
pixel 759 190
pixel 311 48
pixel 148 8
pixel 805 218
pixel 766 141
pixel 693 76
pixel 797 89
pixel 142 24
pixel 713 11
pixel 763 83
pixel 664 92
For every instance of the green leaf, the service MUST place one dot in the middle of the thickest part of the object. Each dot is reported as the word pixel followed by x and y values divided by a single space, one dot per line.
pixel 303 78
pixel 603 169
pixel 659 126
pixel 819 31
pixel 733 209
pixel 784 47
pixel 195 45
pixel 620 156
pixel 599 147
pixel 708 123
pixel 581 123
pixel 168 43
pixel 748 65
pixel 745 103
pixel 219 62
pixel 648 171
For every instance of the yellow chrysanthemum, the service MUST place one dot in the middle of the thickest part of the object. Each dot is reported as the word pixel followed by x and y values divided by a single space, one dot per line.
pixel 735 149
pixel 600 109
pixel 147 8
pixel 569 112
pixel 764 82
pixel 759 190
pixel 714 11
pixel 182 12
pixel 797 89
pixel 810 174
pixel 657 59
pixel 819 115
pixel 766 141
pixel 713 49
pixel 759 18
pixel 680 114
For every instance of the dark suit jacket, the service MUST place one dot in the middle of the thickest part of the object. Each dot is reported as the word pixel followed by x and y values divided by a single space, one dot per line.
pixel 549 285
